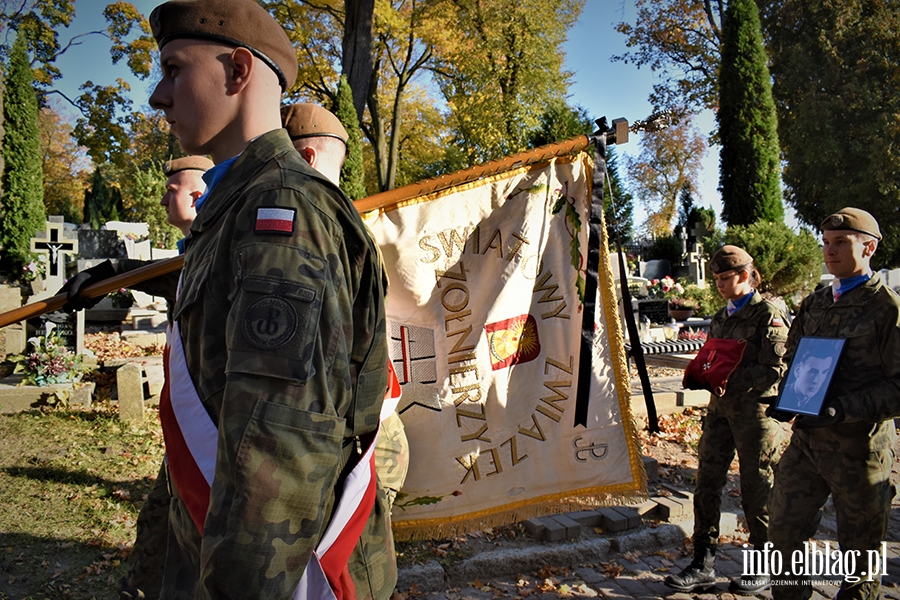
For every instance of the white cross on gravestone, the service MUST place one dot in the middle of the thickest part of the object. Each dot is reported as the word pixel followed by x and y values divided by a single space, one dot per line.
pixel 697 265
pixel 56 243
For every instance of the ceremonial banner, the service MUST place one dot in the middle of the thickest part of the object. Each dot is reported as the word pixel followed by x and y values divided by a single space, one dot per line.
pixel 485 310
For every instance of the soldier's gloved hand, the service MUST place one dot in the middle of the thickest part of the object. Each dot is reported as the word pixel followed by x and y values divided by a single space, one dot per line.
pixel 689 382
pixel 831 415
pixel 779 415
pixel 81 280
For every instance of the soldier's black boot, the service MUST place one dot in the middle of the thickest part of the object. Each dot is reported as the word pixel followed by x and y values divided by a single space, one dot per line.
pixel 750 584
pixel 700 574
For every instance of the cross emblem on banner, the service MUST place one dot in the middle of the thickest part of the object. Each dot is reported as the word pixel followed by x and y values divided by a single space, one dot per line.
pixel 56 244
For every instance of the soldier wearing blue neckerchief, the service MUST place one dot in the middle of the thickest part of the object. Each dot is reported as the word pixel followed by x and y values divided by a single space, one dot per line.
pixel 846 452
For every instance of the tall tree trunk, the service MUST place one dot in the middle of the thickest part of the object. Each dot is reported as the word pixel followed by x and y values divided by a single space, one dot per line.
pixel 356 49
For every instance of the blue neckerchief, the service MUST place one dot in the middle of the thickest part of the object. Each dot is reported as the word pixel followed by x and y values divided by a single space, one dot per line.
pixel 735 305
pixel 212 177
pixel 842 286
pixel 180 245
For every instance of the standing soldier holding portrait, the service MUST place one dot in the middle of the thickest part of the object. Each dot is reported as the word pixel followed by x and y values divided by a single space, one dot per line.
pixel 846 452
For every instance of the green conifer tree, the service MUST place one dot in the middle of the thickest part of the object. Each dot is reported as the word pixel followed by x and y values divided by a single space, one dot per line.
pixel 102 202
pixel 749 162
pixel 353 180
pixel 22 213
pixel 618 211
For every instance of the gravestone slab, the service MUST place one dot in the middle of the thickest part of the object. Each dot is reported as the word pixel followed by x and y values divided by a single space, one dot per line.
pixel 99 244
pixel 69 328
pixel 130 390
pixel 12 337
pixel 124 228
pixel 56 242
pixel 656 311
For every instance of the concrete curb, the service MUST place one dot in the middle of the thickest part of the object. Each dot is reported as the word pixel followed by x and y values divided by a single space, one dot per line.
pixel 508 562
pixel 432 577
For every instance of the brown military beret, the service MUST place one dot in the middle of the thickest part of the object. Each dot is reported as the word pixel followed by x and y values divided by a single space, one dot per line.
pixel 242 23
pixel 186 163
pixel 853 219
pixel 311 120
pixel 728 258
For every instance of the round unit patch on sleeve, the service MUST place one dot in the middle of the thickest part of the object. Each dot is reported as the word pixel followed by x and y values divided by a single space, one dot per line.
pixel 274 220
pixel 270 322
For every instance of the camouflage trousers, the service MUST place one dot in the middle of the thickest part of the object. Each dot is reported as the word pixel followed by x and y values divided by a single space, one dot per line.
pixel 743 427
pixel 147 560
pixel 861 489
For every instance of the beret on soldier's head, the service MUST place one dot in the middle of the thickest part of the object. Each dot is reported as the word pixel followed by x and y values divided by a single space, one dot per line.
pixel 305 120
pixel 186 163
pixel 242 23
pixel 853 219
pixel 728 258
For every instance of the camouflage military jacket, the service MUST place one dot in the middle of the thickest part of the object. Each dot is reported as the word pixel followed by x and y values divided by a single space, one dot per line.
pixel 281 311
pixel 764 327
pixel 866 380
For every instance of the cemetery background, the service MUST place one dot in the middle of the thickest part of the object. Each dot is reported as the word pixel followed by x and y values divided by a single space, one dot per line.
pixel 122 326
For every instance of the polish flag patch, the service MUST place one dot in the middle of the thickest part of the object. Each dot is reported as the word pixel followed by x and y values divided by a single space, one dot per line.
pixel 777 322
pixel 275 220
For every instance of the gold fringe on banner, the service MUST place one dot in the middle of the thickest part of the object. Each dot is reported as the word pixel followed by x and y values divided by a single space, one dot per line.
pixel 632 492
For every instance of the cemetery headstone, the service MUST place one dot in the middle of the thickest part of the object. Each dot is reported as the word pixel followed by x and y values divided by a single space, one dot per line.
pixel 99 244
pixel 57 243
pixel 654 310
pixel 697 264
pixel 12 337
pixel 130 389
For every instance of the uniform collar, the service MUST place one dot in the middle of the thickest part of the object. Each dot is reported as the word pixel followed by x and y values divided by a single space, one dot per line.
pixel 247 165
pixel 841 286
pixel 859 295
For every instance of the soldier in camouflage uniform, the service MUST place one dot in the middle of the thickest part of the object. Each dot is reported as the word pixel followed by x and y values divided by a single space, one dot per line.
pixel 281 318
pixel 737 420
pixel 321 140
pixel 184 186
pixel 847 450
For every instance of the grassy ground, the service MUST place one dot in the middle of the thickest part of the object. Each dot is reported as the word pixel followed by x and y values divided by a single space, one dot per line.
pixel 72 482
pixel 71 485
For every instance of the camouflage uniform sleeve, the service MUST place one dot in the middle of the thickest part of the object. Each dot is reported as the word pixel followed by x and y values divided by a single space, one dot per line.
pixel 879 398
pixel 766 371
pixel 306 346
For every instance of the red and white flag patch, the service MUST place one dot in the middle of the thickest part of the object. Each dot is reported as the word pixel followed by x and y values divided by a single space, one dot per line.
pixel 275 220
pixel 777 322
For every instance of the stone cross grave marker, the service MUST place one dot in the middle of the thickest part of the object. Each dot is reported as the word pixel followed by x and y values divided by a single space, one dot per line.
pixel 697 265
pixel 696 257
pixel 57 244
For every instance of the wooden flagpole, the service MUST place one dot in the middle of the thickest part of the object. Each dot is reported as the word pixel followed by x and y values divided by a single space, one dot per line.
pixel 380 201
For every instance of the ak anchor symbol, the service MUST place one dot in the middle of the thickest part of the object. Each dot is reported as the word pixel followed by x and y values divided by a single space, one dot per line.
pixel 595 451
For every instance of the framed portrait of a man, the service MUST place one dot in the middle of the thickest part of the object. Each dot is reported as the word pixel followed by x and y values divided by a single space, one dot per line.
pixel 809 375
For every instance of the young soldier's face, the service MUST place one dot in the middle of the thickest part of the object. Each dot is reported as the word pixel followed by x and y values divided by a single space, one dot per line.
pixel 192 92
pixel 182 190
pixel 845 253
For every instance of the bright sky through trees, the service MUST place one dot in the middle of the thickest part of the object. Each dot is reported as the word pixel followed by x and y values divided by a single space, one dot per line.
pixel 600 86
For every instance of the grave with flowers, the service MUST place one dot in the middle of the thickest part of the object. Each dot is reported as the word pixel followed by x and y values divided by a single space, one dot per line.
pixel 666 301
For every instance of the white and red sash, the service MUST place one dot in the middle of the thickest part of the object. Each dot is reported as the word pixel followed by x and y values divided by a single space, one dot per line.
pixel 190 434
pixel 191 445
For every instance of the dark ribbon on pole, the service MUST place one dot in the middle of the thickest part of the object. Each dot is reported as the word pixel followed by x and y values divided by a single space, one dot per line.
pixel 600 139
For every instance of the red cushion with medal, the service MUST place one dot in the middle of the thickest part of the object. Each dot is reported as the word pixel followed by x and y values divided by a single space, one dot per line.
pixel 713 365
